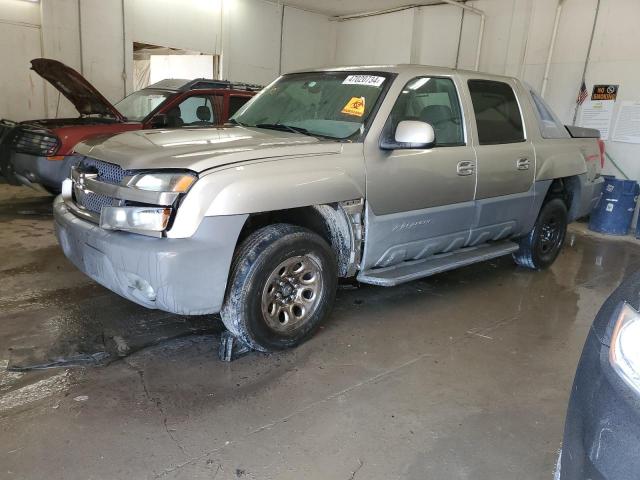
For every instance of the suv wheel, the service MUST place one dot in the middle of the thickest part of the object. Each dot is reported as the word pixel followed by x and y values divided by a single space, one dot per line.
pixel 281 287
pixel 542 245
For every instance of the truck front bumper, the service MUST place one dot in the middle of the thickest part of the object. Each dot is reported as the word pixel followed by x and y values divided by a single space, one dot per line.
pixel 186 276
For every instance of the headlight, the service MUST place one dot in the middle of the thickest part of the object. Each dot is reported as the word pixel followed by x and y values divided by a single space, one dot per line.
pixel 163 182
pixel 153 219
pixel 624 354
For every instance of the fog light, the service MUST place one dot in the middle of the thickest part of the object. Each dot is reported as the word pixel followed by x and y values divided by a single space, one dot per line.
pixel 140 287
pixel 153 219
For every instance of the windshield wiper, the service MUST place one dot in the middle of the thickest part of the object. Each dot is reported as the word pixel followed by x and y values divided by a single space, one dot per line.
pixel 283 127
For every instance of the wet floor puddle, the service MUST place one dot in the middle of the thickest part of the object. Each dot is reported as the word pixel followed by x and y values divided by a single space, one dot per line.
pixel 92 331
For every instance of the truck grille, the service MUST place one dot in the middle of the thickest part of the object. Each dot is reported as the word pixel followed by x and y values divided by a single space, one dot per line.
pixel 107 173
pixel 35 142
pixel 94 202
pixel 5 127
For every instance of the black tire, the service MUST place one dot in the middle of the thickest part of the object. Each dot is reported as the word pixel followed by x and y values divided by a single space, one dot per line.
pixel 249 311
pixel 541 246
pixel 52 191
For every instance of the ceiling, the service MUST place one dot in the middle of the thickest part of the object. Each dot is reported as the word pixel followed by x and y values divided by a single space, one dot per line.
pixel 348 7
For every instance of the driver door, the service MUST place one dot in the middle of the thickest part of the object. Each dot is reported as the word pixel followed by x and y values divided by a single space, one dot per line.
pixel 420 202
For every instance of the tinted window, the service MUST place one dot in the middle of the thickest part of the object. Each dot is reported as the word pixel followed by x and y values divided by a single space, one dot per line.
pixel 550 125
pixel 196 111
pixel 235 103
pixel 497 112
pixel 434 101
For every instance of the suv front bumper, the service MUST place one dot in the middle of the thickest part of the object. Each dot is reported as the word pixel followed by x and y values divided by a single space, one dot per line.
pixel 34 170
pixel 185 276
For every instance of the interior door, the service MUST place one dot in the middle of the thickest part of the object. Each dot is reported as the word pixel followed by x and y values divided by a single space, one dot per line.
pixel 420 201
pixel 505 162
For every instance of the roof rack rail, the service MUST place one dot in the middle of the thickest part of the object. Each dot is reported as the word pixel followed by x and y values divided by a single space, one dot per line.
pixel 204 83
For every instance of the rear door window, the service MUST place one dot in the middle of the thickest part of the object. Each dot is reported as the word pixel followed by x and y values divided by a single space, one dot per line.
pixel 497 113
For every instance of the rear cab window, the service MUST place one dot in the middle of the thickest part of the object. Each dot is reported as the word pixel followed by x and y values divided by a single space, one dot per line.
pixel 497 113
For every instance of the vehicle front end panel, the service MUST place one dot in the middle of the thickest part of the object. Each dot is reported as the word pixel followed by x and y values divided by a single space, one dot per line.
pixel 185 276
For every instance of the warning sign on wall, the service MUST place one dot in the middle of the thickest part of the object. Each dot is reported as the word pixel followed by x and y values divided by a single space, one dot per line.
pixel 604 93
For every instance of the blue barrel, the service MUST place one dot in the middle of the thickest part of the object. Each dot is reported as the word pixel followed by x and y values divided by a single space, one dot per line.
pixel 614 211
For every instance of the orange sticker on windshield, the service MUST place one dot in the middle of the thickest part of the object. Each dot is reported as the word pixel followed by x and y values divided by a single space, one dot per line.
pixel 355 107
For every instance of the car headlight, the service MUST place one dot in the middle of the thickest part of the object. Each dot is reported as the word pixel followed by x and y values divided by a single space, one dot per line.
pixel 163 182
pixel 624 354
pixel 151 219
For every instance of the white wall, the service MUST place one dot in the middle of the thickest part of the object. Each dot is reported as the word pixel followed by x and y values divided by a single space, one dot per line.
pixel 308 40
pixel 186 66
pixel 251 40
pixel 380 39
pixel 436 32
pixel 60 41
pixel 246 33
pixel 22 90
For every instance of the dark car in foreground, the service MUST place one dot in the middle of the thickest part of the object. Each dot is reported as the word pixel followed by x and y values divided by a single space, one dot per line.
pixel 602 429
pixel 39 153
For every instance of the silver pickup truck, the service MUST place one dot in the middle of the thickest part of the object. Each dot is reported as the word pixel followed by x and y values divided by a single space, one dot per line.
pixel 386 174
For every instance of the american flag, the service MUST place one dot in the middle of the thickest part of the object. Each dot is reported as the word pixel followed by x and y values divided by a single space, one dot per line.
pixel 582 94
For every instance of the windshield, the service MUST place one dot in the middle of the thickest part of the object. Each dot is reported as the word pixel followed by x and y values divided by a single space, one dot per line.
pixel 139 104
pixel 327 104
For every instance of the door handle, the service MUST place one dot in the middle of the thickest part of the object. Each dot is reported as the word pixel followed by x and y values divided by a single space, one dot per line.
pixel 522 164
pixel 465 168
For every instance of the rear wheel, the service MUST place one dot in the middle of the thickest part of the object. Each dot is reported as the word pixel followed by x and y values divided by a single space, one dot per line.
pixel 281 287
pixel 541 246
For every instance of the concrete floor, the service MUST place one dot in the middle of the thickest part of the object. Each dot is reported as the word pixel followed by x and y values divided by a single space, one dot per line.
pixel 464 375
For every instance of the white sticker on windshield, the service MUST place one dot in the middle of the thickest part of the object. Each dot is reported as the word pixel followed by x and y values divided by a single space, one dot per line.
pixel 368 80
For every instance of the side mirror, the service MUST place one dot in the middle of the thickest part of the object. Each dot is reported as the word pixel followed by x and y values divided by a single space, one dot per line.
pixel 411 134
pixel 161 120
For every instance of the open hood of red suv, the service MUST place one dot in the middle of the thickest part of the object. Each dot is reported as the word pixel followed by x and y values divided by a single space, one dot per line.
pixel 83 95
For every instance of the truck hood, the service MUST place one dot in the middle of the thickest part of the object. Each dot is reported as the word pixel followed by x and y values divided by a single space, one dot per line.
pixel 200 149
pixel 76 88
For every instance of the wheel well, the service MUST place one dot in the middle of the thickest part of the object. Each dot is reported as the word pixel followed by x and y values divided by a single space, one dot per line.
pixel 568 189
pixel 328 221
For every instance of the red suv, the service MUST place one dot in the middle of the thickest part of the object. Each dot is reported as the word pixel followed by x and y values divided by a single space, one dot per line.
pixel 39 153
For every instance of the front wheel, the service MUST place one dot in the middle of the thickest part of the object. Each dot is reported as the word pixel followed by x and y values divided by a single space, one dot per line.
pixel 542 245
pixel 282 286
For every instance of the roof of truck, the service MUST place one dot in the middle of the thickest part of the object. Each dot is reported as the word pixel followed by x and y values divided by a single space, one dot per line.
pixel 401 68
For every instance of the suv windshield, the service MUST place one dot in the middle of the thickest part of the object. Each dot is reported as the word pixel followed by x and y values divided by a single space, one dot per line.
pixel 141 103
pixel 327 104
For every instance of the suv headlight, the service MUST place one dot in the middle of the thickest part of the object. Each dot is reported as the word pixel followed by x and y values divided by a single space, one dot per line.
pixel 163 182
pixel 624 354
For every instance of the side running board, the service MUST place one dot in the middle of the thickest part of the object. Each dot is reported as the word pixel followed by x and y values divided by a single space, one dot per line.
pixel 415 269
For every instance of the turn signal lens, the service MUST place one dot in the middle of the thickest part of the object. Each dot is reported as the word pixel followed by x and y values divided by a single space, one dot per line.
pixel 624 354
